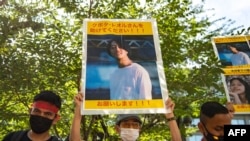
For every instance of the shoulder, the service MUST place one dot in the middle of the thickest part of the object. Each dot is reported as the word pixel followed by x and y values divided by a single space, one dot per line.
pixel 137 66
pixel 8 136
pixel 14 134
pixel 243 53
pixel 139 69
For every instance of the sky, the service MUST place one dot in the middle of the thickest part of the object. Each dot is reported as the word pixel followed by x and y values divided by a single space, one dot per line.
pixel 236 10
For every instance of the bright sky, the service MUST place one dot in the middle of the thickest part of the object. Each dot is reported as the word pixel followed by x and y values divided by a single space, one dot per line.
pixel 236 10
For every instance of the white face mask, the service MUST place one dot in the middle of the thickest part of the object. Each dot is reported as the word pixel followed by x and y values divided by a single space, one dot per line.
pixel 129 134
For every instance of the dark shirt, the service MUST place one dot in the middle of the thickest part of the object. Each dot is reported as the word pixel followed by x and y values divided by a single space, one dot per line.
pixel 23 138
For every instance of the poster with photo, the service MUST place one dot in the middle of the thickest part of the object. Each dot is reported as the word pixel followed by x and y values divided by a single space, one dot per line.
pixel 238 92
pixel 122 68
pixel 233 53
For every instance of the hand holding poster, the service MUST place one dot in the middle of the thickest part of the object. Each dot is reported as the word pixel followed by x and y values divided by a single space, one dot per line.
pixel 234 52
pixel 122 69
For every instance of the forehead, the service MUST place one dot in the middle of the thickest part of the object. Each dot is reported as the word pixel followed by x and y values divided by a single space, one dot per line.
pixel 130 120
pixel 44 106
pixel 218 120
pixel 42 110
pixel 114 43
pixel 236 81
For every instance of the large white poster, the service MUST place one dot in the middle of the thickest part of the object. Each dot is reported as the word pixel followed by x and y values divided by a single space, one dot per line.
pixel 122 69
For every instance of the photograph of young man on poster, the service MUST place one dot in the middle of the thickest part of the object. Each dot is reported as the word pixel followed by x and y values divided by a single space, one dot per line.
pixel 238 57
pixel 239 89
pixel 121 67
pixel 233 54
pixel 130 80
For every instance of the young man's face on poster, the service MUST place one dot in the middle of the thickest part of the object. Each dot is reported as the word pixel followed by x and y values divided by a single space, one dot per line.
pixel 117 51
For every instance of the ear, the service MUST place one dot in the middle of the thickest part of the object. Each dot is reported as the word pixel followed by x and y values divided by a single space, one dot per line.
pixel 140 129
pixel 30 108
pixel 57 118
pixel 201 127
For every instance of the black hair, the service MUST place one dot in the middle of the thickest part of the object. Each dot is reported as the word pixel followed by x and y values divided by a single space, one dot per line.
pixel 234 46
pixel 50 97
pixel 121 43
pixel 230 45
pixel 246 85
pixel 210 109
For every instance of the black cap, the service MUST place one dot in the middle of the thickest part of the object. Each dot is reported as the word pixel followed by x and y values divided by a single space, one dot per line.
pixel 122 117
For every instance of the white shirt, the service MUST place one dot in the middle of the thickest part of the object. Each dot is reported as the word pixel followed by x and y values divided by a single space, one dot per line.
pixel 131 82
pixel 240 58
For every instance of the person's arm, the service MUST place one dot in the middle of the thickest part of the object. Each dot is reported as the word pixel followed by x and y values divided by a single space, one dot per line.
pixel 75 134
pixel 236 99
pixel 145 89
pixel 174 129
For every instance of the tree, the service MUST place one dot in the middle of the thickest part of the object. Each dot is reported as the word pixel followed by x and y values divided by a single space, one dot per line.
pixel 41 44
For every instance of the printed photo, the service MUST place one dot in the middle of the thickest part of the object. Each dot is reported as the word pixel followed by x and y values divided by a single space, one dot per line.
pixel 233 54
pixel 121 67
pixel 238 92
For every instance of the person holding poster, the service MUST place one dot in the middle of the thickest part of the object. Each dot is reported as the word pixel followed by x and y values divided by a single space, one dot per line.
pixel 43 114
pixel 130 80
pixel 239 91
pixel 238 57
pixel 125 123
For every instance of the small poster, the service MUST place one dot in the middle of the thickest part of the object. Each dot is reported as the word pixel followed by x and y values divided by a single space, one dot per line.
pixel 233 53
pixel 122 68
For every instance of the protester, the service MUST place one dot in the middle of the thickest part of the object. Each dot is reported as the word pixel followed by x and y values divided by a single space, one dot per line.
pixel 127 125
pixel 130 80
pixel 213 117
pixel 43 114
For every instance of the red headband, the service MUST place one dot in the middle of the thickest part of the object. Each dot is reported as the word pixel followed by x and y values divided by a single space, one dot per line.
pixel 45 105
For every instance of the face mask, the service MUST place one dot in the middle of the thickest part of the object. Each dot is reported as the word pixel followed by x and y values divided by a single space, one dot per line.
pixel 40 124
pixel 129 134
pixel 211 137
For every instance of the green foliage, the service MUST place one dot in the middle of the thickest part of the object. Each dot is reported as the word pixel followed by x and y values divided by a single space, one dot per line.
pixel 41 48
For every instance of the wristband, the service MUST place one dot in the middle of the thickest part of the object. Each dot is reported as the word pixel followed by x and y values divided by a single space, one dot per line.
pixel 170 119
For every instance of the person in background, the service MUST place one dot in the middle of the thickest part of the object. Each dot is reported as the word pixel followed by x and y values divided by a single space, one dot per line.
pixel 130 80
pixel 239 91
pixel 213 117
pixel 238 57
pixel 44 113
pixel 127 125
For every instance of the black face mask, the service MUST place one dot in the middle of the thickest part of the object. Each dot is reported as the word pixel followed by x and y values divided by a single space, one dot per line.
pixel 211 137
pixel 40 124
